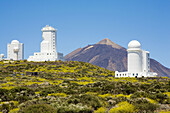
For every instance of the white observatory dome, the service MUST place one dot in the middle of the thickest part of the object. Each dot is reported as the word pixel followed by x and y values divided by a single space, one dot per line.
pixel 48 28
pixel 15 42
pixel 134 44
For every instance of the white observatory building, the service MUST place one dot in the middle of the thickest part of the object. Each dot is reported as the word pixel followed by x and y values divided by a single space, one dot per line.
pixel 48 47
pixel 1 56
pixel 15 50
pixel 138 62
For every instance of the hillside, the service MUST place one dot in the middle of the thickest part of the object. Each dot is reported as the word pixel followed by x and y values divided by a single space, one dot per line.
pixel 110 55
pixel 77 87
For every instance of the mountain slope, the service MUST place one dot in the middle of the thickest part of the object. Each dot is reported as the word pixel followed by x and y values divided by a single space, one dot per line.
pixel 111 56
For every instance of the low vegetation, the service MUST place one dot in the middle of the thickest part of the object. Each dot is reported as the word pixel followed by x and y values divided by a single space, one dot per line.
pixel 77 87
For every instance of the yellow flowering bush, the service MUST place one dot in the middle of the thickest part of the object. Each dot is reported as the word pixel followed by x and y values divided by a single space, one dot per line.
pixel 14 110
pixel 167 93
pixel 101 110
pixel 122 107
pixel 106 95
pixel 58 94
pixel 152 101
pixel 122 95
pixel 164 111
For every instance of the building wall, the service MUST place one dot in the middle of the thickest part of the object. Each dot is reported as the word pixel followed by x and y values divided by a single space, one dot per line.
pixel 135 74
pixel 134 61
pixel 21 51
pixel 146 61
pixel 45 46
pixel 50 37
pixel 43 57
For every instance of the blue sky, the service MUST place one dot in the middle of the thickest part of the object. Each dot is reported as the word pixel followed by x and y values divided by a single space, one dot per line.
pixel 83 22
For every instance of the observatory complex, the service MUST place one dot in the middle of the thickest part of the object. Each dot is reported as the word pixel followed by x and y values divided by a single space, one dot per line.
pixel 138 62
pixel 48 47
pixel 15 50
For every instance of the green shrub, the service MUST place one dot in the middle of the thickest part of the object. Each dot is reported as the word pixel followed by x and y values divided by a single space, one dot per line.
pixel 72 108
pixel 39 108
pixel 21 99
pixel 147 107
pixel 143 105
pixel 5 107
pixel 4 94
pixel 91 100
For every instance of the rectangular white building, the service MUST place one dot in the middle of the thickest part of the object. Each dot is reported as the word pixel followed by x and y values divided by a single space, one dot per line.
pixel 15 51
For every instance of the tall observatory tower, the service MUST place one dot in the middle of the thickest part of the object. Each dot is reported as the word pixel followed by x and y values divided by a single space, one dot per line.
pixel 48 50
pixel 134 56
pixel 138 62
pixel 48 45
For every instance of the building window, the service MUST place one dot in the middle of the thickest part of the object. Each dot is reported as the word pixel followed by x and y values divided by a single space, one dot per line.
pixel 117 74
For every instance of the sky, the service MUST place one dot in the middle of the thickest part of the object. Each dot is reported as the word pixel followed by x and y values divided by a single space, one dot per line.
pixel 83 22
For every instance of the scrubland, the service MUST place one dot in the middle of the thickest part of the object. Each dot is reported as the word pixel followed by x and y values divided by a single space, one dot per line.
pixel 77 87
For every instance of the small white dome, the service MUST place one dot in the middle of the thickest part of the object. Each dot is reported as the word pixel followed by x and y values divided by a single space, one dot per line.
pixel 15 42
pixel 134 44
pixel 48 28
